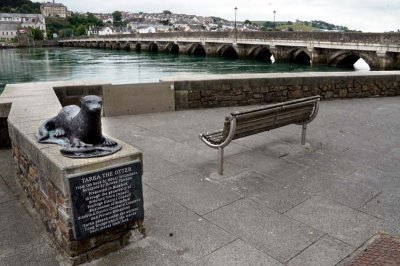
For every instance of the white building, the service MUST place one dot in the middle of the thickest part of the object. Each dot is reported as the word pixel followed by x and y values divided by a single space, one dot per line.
pixel 105 31
pixel 146 29
pixel 9 30
pixel 36 21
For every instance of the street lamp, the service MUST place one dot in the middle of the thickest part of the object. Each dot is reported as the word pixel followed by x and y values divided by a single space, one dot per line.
pixel 235 25
pixel 274 19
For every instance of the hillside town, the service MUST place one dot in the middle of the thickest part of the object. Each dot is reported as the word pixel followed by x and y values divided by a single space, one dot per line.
pixel 166 22
pixel 16 25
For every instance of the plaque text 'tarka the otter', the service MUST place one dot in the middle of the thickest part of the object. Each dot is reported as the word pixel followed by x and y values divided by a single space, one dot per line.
pixel 107 198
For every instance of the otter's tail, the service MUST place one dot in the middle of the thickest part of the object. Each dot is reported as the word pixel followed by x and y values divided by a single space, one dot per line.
pixel 45 128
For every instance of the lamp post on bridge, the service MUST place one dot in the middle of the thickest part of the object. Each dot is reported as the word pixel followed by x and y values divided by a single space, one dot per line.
pixel 235 25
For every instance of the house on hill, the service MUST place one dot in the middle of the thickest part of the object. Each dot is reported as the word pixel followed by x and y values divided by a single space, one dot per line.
pixel 54 10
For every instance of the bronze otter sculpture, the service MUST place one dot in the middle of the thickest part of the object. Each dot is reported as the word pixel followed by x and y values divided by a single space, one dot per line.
pixel 78 129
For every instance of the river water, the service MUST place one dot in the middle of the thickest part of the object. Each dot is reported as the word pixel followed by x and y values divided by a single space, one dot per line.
pixel 119 67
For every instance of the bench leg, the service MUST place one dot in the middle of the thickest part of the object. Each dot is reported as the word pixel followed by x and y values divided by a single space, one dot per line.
pixel 303 134
pixel 220 161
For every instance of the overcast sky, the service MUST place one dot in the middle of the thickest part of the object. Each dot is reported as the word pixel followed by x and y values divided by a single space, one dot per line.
pixel 365 15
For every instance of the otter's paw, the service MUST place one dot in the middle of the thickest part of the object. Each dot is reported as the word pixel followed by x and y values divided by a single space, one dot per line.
pixel 108 142
pixel 59 132
pixel 76 143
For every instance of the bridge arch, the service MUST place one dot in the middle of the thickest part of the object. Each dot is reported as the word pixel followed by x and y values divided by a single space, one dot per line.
pixel 227 51
pixel 300 56
pixel 138 47
pixel 197 49
pixel 153 47
pixel 347 59
pixel 261 52
pixel 172 48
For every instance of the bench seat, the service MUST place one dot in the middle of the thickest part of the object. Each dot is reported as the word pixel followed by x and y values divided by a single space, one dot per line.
pixel 248 122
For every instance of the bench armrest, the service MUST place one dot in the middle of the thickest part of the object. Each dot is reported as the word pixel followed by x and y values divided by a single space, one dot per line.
pixel 228 139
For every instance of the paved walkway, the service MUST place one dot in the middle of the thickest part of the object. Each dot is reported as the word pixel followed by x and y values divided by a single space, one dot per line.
pixel 279 203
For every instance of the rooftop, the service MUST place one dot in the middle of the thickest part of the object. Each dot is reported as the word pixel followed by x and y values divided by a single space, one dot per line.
pixel 278 203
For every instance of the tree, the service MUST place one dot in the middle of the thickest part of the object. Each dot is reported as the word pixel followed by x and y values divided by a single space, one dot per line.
pixel 36 34
pixel 117 18
pixel 248 22
pixel 81 30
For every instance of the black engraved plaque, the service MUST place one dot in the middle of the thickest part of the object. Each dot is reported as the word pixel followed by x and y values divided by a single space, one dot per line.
pixel 104 199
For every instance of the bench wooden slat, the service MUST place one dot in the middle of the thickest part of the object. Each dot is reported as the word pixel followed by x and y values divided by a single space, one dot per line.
pixel 300 115
pixel 252 129
pixel 288 112
pixel 268 110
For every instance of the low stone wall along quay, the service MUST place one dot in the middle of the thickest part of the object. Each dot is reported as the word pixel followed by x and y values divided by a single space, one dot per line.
pixel 247 89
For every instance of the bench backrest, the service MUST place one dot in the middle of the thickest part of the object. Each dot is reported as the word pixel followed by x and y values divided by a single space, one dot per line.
pixel 264 118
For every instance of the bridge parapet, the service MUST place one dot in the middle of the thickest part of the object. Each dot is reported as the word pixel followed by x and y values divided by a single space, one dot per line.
pixel 380 50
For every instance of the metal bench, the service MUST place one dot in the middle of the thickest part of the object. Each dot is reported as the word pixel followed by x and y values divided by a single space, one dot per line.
pixel 249 122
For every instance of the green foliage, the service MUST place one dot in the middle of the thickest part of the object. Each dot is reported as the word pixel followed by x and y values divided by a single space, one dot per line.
pixel 117 18
pixel 36 34
pixel 81 30
pixel 19 6
pixel 75 25
pixel 268 25
pixel 315 25
pixel 327 26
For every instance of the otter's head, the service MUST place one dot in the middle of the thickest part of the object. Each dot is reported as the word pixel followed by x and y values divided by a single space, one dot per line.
pixel 91 104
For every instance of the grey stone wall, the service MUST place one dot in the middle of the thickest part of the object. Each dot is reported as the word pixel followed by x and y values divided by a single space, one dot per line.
pixel 236 91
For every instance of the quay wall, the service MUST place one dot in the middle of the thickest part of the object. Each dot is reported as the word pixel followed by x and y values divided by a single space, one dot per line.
pixel 247 89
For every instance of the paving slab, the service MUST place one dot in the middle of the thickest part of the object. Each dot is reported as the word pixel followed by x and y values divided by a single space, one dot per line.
pixel 118 128
pixel 386 205
pixel 270 146
pixel 199 194
pixel 270 232
pixel 324 162
pixel 266 191
pixel 19 246
pixel 348 225
pixel 140 253
pixel 155 168
pixel 237 253
pixel 373 158
pixel 5 192
pixel 269 165
pixel 346 191
pixel 180 234
pixel 325 252
pixel 210 170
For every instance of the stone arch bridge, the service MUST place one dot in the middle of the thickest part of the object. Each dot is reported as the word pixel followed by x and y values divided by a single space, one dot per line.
pixel 380 50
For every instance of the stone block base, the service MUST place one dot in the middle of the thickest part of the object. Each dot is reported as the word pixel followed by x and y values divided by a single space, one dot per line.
pixel 54 210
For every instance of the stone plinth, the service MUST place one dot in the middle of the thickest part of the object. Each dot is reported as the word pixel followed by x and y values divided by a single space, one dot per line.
pixel 45 175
